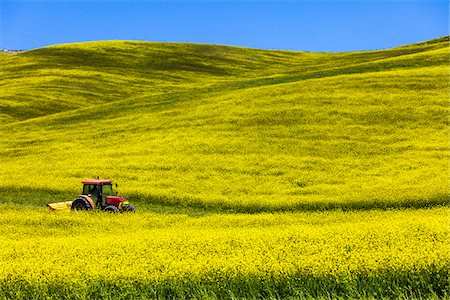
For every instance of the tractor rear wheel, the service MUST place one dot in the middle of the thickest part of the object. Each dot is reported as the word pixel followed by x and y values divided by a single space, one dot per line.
pixel 81 203
pixel 128 208
pixel 111 209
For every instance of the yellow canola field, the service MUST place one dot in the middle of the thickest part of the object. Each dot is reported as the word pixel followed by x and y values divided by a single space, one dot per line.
pixel 59 248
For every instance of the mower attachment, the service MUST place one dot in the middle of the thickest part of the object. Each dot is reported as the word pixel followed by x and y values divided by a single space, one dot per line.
pixel 60 205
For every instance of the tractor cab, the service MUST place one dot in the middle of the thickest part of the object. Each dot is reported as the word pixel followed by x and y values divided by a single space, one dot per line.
pixel 98 190
pixel 99 193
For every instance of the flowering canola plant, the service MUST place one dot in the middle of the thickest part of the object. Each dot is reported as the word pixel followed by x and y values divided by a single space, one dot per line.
pixel 44 249
pixel 276 174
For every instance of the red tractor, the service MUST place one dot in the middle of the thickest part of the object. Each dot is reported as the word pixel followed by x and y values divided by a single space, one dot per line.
pixel 99 193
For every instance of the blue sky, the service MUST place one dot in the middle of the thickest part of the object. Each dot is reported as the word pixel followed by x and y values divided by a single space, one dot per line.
pixel 333 25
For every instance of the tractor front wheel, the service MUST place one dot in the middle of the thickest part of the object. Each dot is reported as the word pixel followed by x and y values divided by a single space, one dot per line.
pixel 81 203
pixel 111 209
pixel 128 208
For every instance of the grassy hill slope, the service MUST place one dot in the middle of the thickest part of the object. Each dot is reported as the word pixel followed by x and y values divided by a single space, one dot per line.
pixel 59 78
pixel 226 127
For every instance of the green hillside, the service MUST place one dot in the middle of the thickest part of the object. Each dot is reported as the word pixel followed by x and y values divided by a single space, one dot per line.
pixel 227 127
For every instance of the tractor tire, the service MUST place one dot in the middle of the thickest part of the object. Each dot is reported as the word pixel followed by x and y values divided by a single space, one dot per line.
pixel 128 208
pixel 81 203
pixel 111 209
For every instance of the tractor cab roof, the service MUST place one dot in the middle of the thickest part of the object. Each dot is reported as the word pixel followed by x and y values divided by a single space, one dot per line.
pixel 97 181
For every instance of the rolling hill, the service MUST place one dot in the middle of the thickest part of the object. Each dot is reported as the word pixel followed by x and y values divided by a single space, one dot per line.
pixel 220 127
pixel 256 174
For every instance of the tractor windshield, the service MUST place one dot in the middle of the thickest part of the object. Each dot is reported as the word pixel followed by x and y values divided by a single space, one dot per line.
pixel 107 190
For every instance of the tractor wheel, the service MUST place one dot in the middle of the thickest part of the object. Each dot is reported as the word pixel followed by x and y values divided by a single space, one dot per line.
pixel 81 203
pixel 111 209
pixel 128 208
